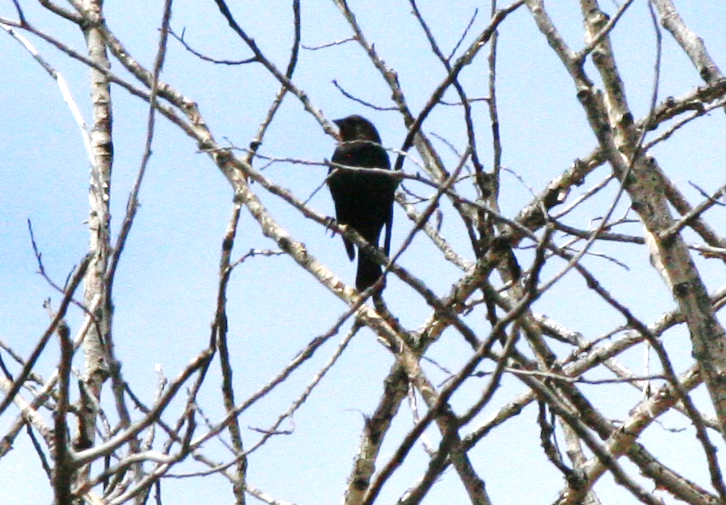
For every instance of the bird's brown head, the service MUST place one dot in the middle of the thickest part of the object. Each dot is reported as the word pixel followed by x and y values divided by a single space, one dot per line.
pixel 356 128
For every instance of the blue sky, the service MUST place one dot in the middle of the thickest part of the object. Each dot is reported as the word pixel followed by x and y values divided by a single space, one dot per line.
pixel 165 289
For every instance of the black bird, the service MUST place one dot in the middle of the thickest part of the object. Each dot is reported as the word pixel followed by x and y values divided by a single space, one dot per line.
pixel 363 200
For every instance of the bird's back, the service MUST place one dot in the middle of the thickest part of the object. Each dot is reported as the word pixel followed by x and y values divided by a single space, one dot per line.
pixel 362 200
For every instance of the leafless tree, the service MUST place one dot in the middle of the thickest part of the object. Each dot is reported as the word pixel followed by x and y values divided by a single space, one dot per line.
pixel 101 442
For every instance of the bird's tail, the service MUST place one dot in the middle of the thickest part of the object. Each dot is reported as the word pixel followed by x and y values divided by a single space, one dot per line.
pixel 368 272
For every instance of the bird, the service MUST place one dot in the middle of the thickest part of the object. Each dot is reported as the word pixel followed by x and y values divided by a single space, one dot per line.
pixel 363 201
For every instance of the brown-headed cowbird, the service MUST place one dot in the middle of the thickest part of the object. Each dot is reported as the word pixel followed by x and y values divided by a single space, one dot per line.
pixel 363 200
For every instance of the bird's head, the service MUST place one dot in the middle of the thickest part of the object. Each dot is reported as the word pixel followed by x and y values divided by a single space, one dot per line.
pixel 356 128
